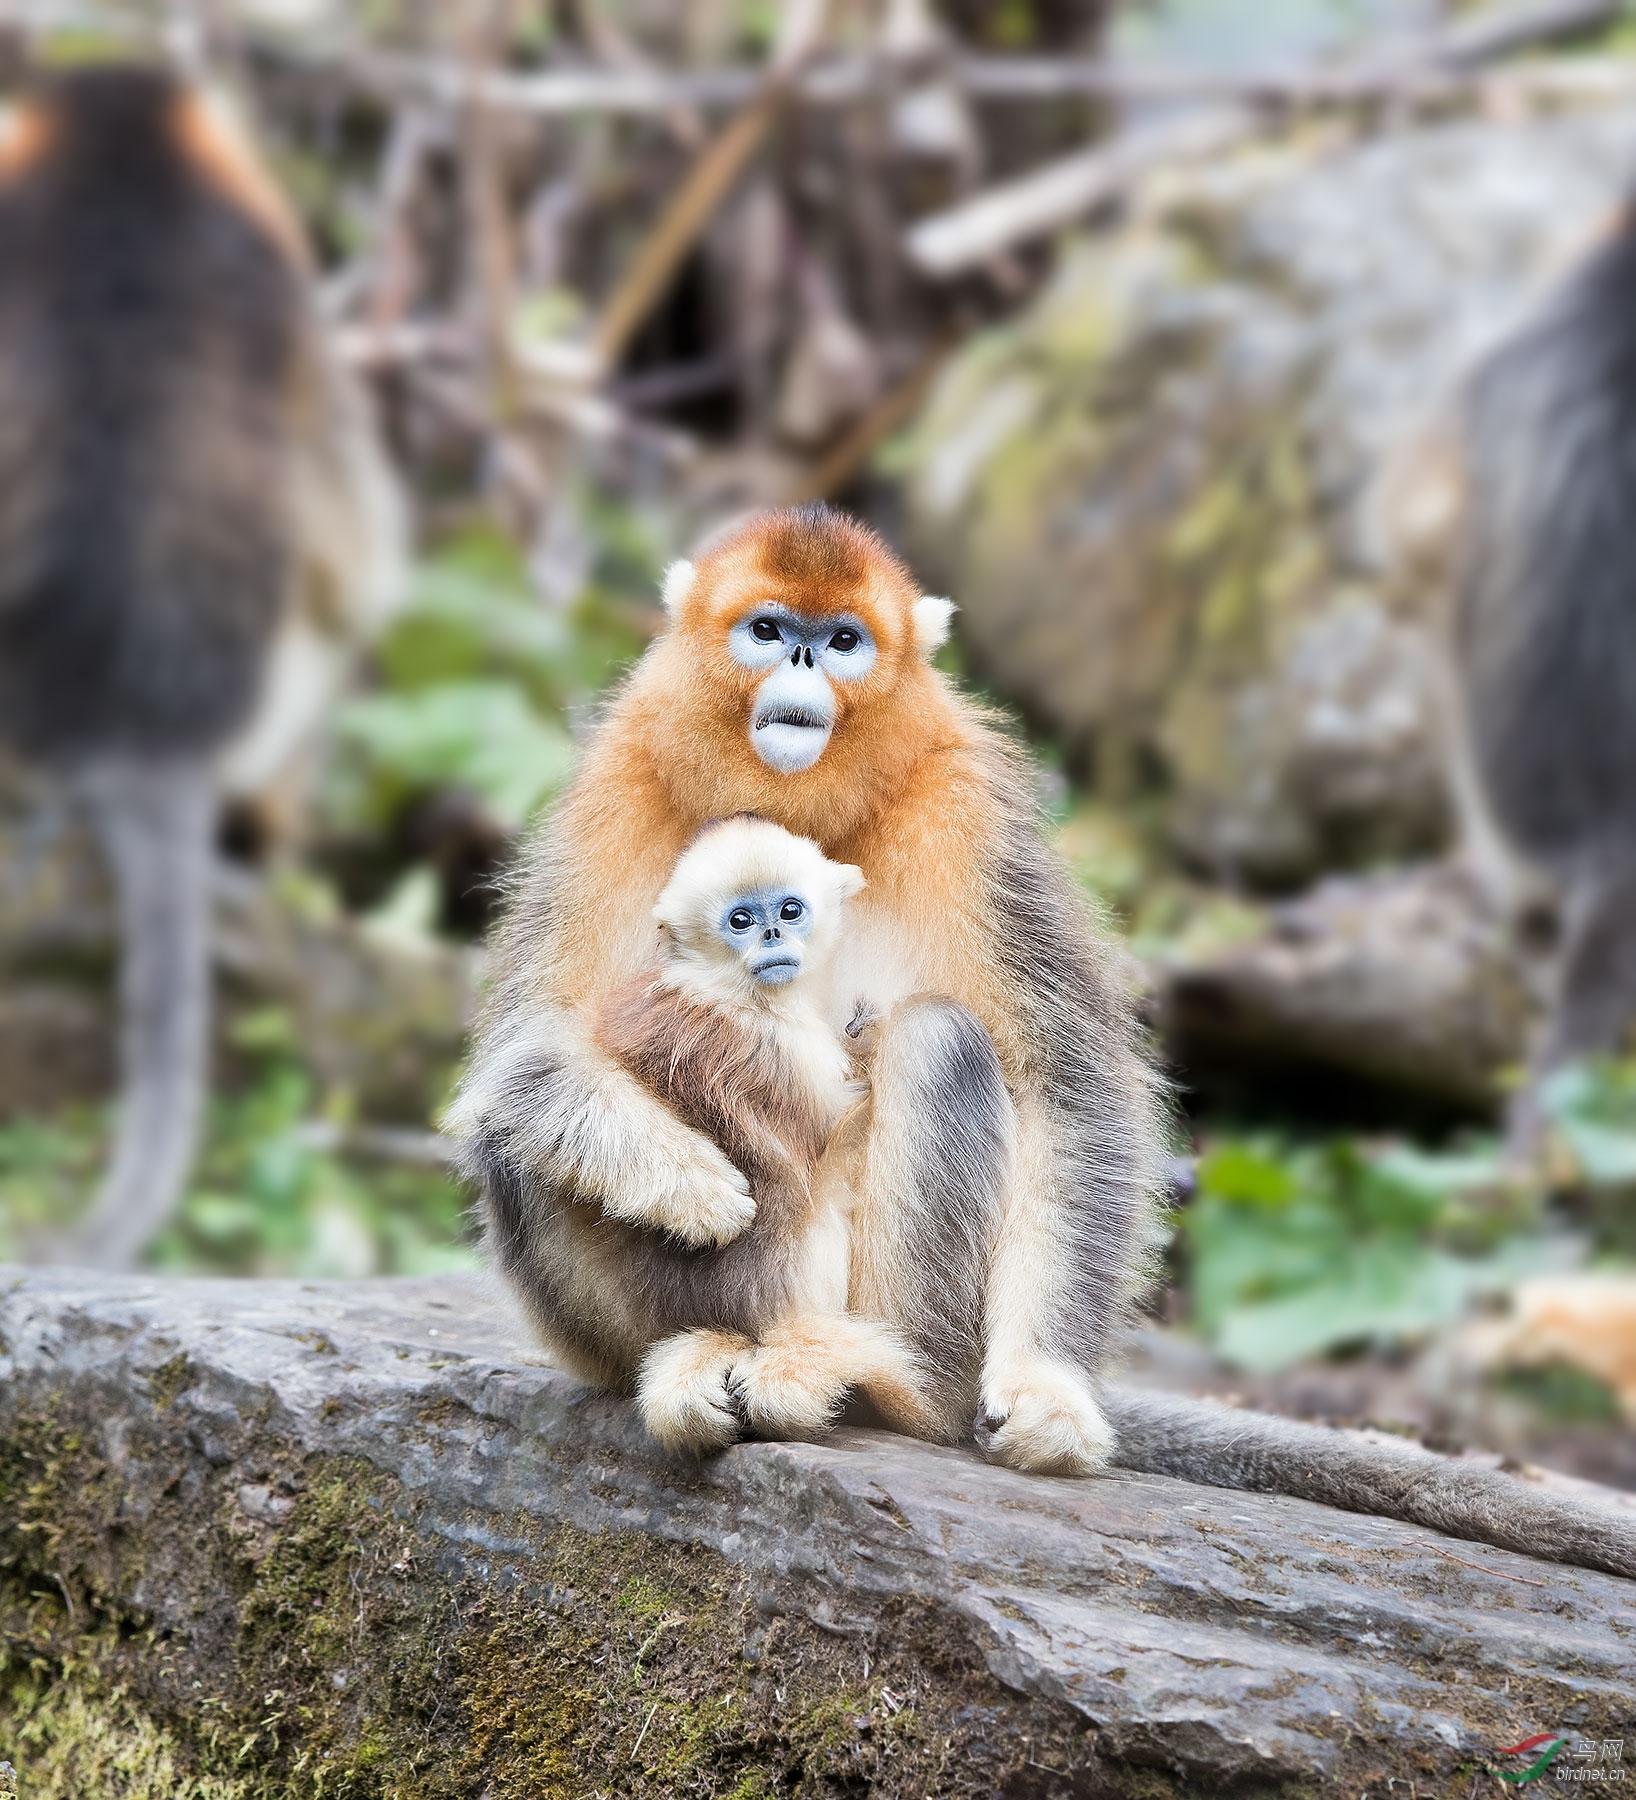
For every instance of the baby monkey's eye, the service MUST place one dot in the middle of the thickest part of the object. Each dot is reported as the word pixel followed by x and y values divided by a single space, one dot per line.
pixel 791 909
pixel 845 639
pixel 765 631
pixel 740 919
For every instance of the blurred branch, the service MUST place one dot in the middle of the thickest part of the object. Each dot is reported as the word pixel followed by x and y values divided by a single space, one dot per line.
pixel 968 235
pixel 689 210
pixel 1506 30
pixel 707 184
pixel 895 406
pixel 1463 47
pixel 381 1143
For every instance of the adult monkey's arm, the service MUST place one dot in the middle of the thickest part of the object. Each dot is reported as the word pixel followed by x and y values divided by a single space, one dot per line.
pixel 541 1092
pixel 556 1107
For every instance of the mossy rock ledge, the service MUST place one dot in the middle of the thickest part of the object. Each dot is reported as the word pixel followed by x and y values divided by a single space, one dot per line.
pixel 279 1538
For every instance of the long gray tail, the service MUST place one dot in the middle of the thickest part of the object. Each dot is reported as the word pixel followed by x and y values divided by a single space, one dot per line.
pixel 1219 1446
pixel 156 821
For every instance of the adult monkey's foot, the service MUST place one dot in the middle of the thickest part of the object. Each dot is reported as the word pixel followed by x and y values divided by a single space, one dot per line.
pixel 1040 1415
pixel 796 1380
pixel 684 1392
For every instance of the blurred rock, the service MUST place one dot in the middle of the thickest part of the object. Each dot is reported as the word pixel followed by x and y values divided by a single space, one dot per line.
pixel 1157 494
pixel 1407 981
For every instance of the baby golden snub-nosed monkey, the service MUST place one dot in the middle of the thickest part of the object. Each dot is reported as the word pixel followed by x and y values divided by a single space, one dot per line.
pixel 179 454
pixel 999 1176
pixel 729 1031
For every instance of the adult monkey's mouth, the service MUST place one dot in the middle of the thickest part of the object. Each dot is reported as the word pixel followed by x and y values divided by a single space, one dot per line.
pixel 802 717
pixel 790 737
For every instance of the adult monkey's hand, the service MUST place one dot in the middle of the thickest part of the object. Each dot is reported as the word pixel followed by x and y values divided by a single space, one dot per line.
pixel 601 1139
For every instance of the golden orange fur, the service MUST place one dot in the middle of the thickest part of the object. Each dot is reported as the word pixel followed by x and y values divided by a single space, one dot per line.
pixel 900 791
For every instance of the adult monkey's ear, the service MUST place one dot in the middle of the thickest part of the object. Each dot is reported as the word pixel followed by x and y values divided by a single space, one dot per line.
pixel 931 616
pixel 678 581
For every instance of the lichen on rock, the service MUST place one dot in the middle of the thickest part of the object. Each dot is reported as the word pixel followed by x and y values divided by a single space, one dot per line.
pixel 1158 494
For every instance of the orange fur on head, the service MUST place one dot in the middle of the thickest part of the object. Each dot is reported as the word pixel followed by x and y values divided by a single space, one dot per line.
pixel 25 135
pixel 816 564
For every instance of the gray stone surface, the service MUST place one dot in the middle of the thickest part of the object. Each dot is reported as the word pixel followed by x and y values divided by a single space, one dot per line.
pixel 1205 1633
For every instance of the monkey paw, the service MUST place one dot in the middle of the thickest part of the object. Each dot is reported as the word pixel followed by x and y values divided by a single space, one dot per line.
pixel 709 1212
pixel 683 1391
pixel 693 1192
pixel 784 1391
pixel 1043 1417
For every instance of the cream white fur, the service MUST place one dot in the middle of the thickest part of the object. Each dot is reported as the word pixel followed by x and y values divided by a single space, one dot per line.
pixel 796 1379
pixel 738 857
pixel 678 581
pixel 1053 1424
pixel 932 615
pixel 683 1390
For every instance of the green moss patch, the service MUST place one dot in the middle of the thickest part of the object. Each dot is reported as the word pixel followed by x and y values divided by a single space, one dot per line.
pixel 305 1629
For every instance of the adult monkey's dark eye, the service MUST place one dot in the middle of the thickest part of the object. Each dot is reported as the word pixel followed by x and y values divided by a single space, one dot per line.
pixel 845 639
pixel 740 919
pixel 765 631
pixel 791 909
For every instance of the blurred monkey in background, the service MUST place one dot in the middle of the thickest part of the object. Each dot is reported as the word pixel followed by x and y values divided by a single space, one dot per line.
pixel 193 521
pixel 1545 634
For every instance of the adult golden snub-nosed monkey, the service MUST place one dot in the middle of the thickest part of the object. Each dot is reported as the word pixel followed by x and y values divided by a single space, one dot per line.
pixel 1004 1168
pixel 1003 1210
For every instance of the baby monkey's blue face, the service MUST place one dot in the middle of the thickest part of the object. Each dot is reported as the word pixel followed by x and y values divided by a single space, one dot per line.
pixel 766 930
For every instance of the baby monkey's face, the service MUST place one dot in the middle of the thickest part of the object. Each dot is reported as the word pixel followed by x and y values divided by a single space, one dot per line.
pixel 751 910
pixel 766 931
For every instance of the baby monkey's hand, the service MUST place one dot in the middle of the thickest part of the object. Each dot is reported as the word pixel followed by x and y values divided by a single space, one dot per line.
pixel 863 1035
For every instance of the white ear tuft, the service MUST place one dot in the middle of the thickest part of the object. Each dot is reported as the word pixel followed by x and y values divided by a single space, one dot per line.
pixel 678 580
pixel 848 881
pixel 931 616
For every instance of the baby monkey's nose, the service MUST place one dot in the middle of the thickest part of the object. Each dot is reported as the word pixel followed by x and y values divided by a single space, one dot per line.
pixel 771 935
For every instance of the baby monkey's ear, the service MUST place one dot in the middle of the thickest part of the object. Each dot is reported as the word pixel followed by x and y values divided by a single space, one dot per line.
pixel 848 881
pixel 678 580
pixel 931 616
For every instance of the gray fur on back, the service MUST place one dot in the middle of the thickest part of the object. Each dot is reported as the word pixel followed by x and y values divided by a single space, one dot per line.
pixel 1219 1446
pixel 1089 1069
pixel 1546 627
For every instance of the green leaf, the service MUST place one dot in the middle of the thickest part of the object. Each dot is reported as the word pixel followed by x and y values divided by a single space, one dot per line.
pixel 479 734
pixel 1387 1291
pixel 1238 1173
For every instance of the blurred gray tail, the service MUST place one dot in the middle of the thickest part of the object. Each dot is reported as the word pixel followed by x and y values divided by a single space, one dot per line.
pixel 156 821
pixel 1219 1446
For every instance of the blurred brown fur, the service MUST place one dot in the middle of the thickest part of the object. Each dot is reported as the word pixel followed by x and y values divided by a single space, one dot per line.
pixel 191 515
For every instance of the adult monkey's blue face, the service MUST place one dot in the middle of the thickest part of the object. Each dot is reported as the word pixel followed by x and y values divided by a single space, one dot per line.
pixel 800 660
